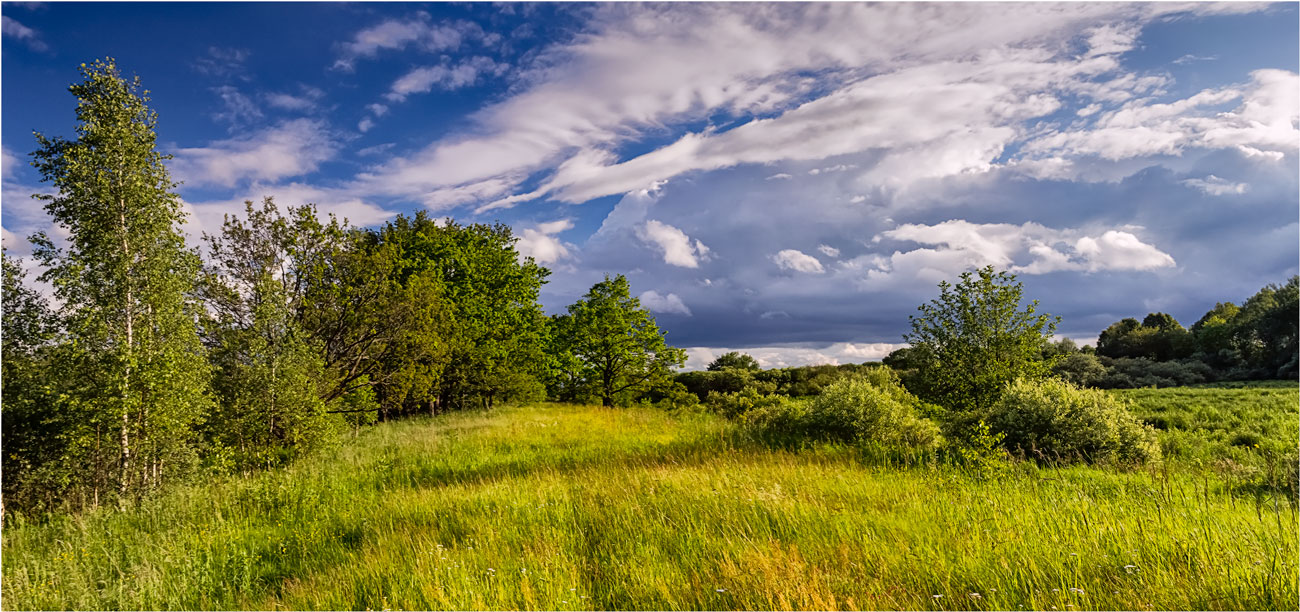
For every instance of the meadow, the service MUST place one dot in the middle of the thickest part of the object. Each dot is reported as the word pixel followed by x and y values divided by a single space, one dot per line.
pixel 552 506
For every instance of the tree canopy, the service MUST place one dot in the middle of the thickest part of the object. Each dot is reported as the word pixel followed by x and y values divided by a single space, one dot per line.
pixel 975 338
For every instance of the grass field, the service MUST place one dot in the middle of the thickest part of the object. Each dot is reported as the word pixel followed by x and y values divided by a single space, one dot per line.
pixel 560 507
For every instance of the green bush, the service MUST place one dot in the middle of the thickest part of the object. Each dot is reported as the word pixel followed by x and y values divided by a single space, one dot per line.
pixel 739 403
pixel 872 407
pixel 1053 419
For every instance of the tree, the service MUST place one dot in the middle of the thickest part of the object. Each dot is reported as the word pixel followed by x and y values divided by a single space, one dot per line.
pixel 617 340
pixel 268 376
pixel 497 338
pixel 1159 337
pixel 974 339
pixel 35 424
pixel 125 280
pixel 1265 330
pixel 734 360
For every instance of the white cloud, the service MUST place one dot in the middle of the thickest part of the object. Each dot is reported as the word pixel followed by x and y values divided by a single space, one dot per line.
pixel 291 148
pixel 223 63
pixel 794 355
pixel 790 259
pixel 675 244
pixel 1028 249
pixel 8 163
pixel 828 250
pixel 446 77
pixel 664 304
pixel 290 102
pixel 13 29
pixel 1216 186
pixel 394 34
pixel 237 108
pixel 635 69
pixel 379 110
pixel 780 176
pixel 1264 123
pixel 540 242
pixel 365 124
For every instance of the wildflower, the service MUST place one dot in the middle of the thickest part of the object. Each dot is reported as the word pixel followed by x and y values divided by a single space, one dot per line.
pixel 938 596
pixel 975 596
pixel 1130 568
pixel 721 590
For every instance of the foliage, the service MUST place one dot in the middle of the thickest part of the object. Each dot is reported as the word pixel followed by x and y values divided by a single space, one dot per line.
pixel 1132 373
pixel 621 348
pixel 735 360
pixel 1057 421
pixel 136 374
pixel 1159 337
pixel 974 339
pixel 1080 369
pixel 874 408
pixel 495 349
pixel 268 377
pixel 737 404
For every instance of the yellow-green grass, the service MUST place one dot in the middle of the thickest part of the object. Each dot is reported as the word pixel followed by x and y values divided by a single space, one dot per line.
pixel 559 507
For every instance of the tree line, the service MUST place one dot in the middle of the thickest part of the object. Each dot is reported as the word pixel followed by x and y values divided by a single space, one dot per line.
pixel 154 361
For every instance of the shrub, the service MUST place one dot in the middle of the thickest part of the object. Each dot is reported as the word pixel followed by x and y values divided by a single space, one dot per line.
pixel 1137 373
pixel 675 396
pixel 1059 420
pixel 739 403
pixel 872 407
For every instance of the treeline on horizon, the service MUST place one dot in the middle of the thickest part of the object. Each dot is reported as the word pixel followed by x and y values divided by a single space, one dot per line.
pixel 289 331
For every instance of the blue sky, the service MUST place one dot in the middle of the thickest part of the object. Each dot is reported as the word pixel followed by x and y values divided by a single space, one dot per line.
pixel 791 180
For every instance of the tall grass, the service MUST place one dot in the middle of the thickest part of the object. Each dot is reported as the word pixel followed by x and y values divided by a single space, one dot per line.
pixel 559 507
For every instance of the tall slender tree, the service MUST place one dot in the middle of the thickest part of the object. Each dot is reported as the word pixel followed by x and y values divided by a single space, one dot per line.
pixel 125 279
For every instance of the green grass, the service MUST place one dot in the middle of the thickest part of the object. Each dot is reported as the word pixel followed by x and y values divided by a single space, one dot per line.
pixel 558 507
pixel 1244 423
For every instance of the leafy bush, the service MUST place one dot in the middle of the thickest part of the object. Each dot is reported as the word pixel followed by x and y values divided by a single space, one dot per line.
pixel 739 403
pixel 1082 369
pixel 1055 419
pixel 675 396
pixel 872 407
pixel 1138 373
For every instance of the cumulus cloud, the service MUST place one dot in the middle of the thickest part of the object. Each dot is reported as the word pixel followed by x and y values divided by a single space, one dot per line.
pixel 542 243
pixel 291 148
pixel 790 259
pixel 664 304
pixel 828 250
pixel 677 248
pixel 794 355
pixel 1028 249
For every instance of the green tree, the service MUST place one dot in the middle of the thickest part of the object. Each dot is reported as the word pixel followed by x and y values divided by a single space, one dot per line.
pixel 35 425
pixel 1213 335
pixel 736 360
pixel 1265 330
pixel 268 375
pixel 975 338
pixel 498 333
pixel 618 341
pixel 125 279
pixel 1159 337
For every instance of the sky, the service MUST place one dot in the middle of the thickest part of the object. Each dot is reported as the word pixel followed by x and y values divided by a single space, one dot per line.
pixel 789 180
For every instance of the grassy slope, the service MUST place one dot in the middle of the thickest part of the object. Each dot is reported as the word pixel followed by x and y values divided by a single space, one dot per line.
pixel 578 507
